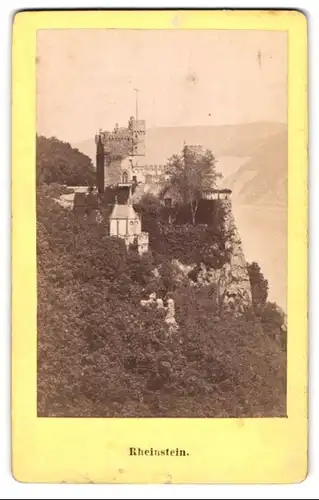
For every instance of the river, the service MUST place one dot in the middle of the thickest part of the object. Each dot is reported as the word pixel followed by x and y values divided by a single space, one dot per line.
pixel 264 235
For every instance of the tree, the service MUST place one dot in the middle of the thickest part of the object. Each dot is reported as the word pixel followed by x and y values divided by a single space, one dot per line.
pixel 191 173
pixel 58 162
pixel 259 286
pixel 150 209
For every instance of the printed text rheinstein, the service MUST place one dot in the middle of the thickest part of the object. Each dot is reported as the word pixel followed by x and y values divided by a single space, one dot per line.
pixel 155 452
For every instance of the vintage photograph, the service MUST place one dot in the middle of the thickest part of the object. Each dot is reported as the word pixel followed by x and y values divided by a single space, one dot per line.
pixel 161 185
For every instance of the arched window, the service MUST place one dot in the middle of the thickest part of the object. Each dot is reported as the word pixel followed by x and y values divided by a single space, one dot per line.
pixel 125 177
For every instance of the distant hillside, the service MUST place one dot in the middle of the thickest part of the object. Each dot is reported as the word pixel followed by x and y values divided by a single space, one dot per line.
pixel 262 179
pixel 226 140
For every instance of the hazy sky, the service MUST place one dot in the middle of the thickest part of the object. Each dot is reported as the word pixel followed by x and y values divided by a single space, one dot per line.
pixel 85 78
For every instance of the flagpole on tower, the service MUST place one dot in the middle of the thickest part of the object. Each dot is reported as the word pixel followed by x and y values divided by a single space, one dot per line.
pixel 136 103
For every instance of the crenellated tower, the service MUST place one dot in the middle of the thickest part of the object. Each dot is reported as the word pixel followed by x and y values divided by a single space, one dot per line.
pixel 118 154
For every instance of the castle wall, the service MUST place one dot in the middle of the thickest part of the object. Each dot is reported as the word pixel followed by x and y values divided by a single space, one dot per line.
pixel 152 173
pixel 138 129
pixel 112 171
pixel 116 170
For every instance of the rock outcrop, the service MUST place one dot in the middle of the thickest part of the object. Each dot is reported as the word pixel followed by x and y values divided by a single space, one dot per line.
pixel 232 279
pixel 232 282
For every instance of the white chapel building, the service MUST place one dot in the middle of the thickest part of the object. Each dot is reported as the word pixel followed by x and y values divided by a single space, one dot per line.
pixel 126 223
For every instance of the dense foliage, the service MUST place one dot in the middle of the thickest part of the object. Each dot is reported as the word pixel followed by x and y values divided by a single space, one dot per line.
pixel 204 243
pixel 101 354
pixel 58 162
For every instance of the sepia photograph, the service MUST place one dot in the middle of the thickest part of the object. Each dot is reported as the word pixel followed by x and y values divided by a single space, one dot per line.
pixel 161 206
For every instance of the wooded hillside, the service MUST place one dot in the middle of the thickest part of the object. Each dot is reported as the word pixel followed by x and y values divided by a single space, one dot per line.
pixel 100 354
pixel 58 162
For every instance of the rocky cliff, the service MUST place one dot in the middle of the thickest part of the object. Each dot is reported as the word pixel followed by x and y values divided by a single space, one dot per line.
pixel 232 279
pixel 233 289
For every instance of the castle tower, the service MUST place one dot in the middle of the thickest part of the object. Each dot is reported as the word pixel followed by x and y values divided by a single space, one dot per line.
pixel 117 152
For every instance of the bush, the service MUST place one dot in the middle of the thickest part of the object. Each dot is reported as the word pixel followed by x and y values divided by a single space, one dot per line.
pixel 205 243
pixel 201 245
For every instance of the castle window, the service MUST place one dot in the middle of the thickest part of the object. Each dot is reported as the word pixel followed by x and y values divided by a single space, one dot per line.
pixel 168 202
pixel 125 178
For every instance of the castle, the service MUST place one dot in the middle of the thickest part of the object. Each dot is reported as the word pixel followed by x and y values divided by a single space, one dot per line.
pixel 118 172
pixel 120 175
